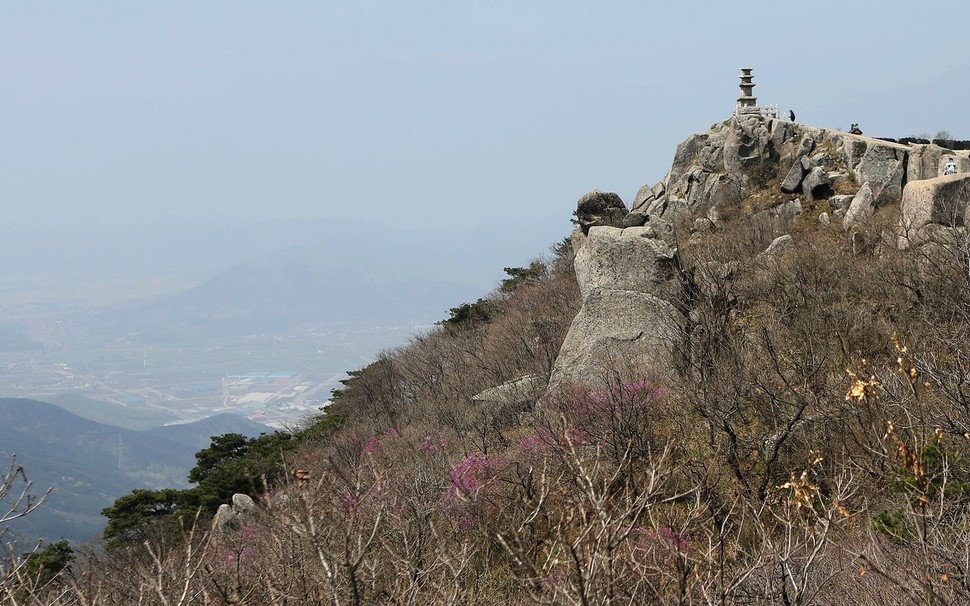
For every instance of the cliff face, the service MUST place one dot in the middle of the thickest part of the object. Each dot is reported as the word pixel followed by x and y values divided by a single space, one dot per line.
pixel 635 282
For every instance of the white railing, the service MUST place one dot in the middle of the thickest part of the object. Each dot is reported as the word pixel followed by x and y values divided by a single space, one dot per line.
pixel 767 111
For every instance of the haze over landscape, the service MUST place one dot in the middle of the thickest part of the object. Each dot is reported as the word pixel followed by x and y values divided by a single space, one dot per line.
pixel 223 207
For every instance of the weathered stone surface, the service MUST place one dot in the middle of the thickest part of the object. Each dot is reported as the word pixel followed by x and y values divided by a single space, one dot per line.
pixel 781 133
pixel 242 503
pixel 790 211
pixel 883 166
pixel 793 181
pixel 941 201
pixel 703 224
pixel 939 242
pixel 723 194
pixel 963 165
pixel 625 259
pixel 228 513
pixel 600 208
pixel 746 142
pixel 617 329
pixel 645 196
pixel 739 147
pixel 925 162
pixel 853 148
pixel 824 219
pixel 577 239
pixel 687 157
pixel 840 201
pixel 223 517
pixel 524 389
pixel 779 245
pixel 840 179
pixel 806 145
pixel 634 220
pixel 821 157
pixel 816 183
pixel 860 209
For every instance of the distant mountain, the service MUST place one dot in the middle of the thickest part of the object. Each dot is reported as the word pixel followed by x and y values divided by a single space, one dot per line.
pixel 296 289
pixel 110 413
pixel 198 435
pixel 194 249
pixel 88 464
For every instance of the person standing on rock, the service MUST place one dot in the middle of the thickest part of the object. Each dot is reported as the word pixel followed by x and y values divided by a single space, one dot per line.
pixel 791 115
pixel 950 168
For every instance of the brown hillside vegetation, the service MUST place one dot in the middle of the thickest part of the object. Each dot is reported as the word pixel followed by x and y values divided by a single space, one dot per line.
pixel 812 447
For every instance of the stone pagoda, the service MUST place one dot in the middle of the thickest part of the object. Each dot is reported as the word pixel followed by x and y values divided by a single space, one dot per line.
pixel 747 102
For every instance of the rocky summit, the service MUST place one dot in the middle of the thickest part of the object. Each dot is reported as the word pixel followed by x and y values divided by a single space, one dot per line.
pixel 633 278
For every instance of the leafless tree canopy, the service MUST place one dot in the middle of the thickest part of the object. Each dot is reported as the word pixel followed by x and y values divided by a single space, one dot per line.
pixel 813 447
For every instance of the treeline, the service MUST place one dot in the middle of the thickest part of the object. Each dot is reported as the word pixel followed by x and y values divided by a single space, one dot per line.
pixel 811 446
pixel 951 144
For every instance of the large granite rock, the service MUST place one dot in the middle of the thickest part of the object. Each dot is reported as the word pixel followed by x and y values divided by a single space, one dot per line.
pixel 793 180
pixel 625 259
pixel 740 149
pixel 630 282
pixel 816 184
pixel 617 329
pixel 925 162
pixel 884 167
pixel 228 515
pixel 853 148
pixel 860 209
pixel 940 201
pixel 524 389
pixel 748 142
pixel 644 198
pixel 779 245
pixel 600 208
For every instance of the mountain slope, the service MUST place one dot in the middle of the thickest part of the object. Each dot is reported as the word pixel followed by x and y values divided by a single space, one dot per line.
pixel 88 464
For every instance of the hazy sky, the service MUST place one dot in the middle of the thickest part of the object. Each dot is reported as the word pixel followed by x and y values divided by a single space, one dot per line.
pixel 448 114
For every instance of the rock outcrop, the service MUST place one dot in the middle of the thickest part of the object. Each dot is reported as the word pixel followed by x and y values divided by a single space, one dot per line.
pixel 635 308
pixel 228 515
pixel 600 208
pixel 860 209
pixel 628 279
pixel 932 205
pixel 511 393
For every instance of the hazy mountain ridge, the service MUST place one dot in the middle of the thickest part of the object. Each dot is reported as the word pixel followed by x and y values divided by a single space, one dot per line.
pixel 283 292
pixel 88 464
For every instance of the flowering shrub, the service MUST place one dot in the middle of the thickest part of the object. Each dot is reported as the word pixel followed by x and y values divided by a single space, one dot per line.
pixel 370 446
pixel 662 543
pixel 469 476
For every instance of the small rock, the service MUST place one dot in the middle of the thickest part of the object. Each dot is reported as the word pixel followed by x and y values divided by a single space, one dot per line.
pixel 779 245
pixel 635 219
pixel 703 224
pixel 242 503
